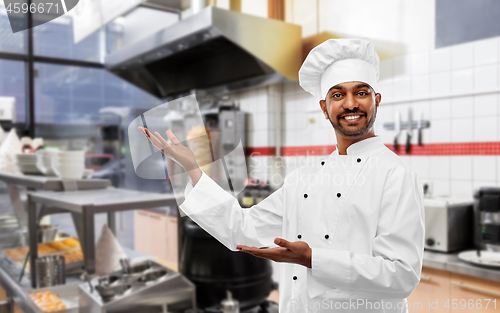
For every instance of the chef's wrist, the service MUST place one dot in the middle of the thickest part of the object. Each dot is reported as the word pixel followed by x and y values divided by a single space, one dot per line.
pixel 308 258
pixel 194 175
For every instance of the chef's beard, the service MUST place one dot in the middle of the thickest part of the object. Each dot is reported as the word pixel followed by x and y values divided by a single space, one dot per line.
pixel 355 133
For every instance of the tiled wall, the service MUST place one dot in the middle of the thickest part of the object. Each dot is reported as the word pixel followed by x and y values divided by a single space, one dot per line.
pixel 260 104
pixel 456 88
pixel 394 26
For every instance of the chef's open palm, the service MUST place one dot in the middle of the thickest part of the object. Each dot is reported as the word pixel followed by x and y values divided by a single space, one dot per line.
pixel 297 252
pixel 173 150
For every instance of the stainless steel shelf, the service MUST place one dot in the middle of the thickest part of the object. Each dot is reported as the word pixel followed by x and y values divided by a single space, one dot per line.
pixel 51 183
pixel 47 184
pixel 38 182
pixel 102 200
pixel 85 204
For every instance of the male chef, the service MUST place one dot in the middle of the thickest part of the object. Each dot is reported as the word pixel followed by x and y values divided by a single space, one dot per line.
pixel 349 229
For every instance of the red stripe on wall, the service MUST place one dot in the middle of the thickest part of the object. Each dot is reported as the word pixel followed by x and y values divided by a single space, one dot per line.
pixel 260 151
pixel 430 149
pixel 459 148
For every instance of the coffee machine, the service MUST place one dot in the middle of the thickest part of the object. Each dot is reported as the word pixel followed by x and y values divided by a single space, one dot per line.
pixel 487 218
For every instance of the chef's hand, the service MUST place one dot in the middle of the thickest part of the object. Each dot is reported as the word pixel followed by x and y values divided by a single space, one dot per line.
pixel 289 252
pixel 175 151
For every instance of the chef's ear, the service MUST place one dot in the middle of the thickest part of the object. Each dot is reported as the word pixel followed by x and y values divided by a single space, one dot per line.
pixel 378 98
pixel 322 104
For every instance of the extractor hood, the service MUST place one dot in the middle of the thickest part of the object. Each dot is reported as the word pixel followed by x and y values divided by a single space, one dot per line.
pixel 214 50
pixel 173 5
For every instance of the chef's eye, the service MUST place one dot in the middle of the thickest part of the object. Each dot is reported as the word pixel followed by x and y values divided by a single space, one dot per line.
pixel 363 93
pixel 336 95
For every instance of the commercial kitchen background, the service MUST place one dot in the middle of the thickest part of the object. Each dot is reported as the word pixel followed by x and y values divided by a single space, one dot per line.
pixel 448 72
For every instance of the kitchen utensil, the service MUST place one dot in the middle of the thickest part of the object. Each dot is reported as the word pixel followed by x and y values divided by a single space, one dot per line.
pixel 420 127
pixel 152 275
pixel 136 268
pixel 68 168
pixel 27 163
pixel 122 293
pixel 230 305
pixel 50 271
pixel 486 258
pixel 86 277
pixel 397 128
pixel 26 158
pixel 110 286
pixel 408 131
pixel 47 233
pixel 105 292
pixel 107 280
pixel 120 288
pixel 71 155
pixel 69 171
pixel 44 161
pixel 125 264
pixel 87 173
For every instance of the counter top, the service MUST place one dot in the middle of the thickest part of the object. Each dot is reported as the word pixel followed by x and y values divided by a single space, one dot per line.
pixel 451 263
pixel 103 200
pixel 40 182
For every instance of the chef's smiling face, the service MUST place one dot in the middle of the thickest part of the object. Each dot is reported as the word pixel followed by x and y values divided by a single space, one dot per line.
pixel 351 108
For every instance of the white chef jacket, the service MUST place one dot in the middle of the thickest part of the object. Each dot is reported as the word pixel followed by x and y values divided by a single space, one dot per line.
pixel 362 214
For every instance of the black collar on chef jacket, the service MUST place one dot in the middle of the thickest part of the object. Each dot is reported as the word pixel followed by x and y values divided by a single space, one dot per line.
pixel 363 147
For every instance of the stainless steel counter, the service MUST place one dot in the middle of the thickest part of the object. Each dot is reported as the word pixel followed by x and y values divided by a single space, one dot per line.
pixel 87 203
pixel 19 291
pixel 451 263
pixel 40 182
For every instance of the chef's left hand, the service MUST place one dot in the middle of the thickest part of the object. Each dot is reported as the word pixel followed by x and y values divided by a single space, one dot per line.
pixel 289 252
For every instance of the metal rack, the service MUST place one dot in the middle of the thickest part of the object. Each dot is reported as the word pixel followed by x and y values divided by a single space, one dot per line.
pixel 85 204
pixel 34 182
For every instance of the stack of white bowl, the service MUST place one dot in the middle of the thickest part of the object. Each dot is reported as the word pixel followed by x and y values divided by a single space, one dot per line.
pixel 44 161
pixel 69 164
pixel 27 163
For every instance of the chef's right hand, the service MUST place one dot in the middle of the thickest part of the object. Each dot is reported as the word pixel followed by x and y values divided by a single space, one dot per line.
pixel 175 151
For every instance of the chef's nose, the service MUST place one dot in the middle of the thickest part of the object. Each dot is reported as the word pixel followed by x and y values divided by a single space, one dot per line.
pixel 350 102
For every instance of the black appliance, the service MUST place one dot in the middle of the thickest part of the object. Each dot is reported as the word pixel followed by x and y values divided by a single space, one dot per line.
pixel 214 269
pixel 487 214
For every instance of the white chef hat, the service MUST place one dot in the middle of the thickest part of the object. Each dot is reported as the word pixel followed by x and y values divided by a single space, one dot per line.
pixel 338 61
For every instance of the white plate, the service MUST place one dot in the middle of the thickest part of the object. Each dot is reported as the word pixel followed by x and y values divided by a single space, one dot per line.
pixel 488 258
pixel 29 169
